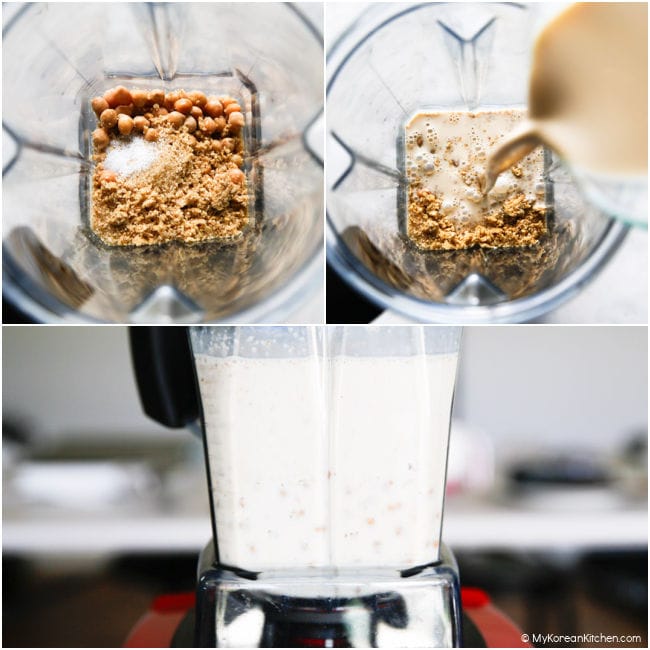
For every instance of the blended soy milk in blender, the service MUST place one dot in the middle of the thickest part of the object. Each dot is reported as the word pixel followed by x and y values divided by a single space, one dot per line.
pixel 267 459
pixel 327 462
pixel 389 429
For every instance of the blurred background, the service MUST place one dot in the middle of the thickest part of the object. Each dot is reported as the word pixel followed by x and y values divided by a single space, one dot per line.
pixel 103 510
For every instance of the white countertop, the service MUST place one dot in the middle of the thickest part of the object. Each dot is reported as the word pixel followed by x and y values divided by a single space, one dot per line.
pixel 469 524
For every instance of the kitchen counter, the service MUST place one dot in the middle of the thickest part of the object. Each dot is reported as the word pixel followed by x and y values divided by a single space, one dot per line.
pixel 469 524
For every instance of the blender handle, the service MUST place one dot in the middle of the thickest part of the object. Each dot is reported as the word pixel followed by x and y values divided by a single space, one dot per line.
pixel 164 372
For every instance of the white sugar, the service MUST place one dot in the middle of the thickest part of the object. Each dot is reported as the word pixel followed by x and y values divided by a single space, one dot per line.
pixel 126 158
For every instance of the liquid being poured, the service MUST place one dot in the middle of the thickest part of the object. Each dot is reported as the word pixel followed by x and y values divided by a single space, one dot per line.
pixel 588 95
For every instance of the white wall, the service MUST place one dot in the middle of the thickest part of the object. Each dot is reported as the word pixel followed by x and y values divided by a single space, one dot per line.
pixel 568 387
pixel 71 380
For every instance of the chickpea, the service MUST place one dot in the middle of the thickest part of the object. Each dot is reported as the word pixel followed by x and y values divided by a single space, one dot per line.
pixel 108 118
pixel 156 97
pixel 140 122
pixel 232 108
pixel 196 113
pixel 197 98
pixel 171 98
pixel 216 145
pixel 124 124
pixel 221 123
pixel 190 124
pixel 236 120
pixel 238 160
pixel 118 96
pixel 226 99
pixel 213 108
pixel 183 105
pixel 161 111
pixel 208 125
pixel 100 139
pixel 228 144
pixel 99 105
pixel 176 118
pixel 140 97
pixel 151 135
pixel 236 176
pixel 125 110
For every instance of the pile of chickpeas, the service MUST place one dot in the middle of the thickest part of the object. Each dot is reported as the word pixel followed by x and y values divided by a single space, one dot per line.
pixel 132 110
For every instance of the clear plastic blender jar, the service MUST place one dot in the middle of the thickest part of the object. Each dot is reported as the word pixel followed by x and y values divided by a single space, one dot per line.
pixel 398 60
pixel 57 57
pixel 327 453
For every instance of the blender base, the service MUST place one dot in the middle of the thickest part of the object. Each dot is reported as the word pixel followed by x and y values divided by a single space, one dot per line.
pixel 171 622
pixel 331 608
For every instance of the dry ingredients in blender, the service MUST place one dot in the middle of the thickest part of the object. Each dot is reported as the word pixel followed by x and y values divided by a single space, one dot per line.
pixel 448 208
pixel 168 167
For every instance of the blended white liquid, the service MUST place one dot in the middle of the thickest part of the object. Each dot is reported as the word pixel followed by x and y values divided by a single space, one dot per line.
pixel 338 465
pixel 267 455
pixel 389 428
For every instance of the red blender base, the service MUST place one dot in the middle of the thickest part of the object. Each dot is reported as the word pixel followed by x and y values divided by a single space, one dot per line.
pixel 157 627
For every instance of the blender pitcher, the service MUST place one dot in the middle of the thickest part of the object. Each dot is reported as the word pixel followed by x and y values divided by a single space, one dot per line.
pixel 326 451
pixel 394 62
pixel 59 56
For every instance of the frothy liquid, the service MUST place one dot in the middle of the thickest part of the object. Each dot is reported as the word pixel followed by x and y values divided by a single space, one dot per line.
pixel 339 465
pixel 588 97
pixel 446 152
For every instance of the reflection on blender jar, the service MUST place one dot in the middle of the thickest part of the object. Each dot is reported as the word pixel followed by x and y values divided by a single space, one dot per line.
pixel 326 488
